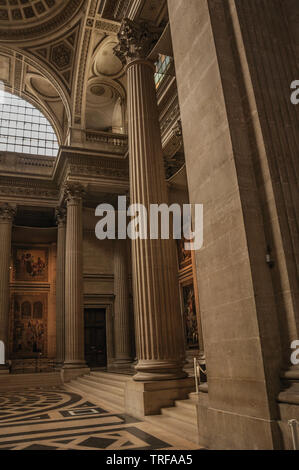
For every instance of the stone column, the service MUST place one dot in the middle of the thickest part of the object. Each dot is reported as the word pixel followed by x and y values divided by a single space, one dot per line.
pixel 74 317
pixel 60 287
pixel 159 335
pixel 121 307
pixel 7 214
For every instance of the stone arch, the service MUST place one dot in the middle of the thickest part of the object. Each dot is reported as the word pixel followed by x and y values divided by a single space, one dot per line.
pixel 56 107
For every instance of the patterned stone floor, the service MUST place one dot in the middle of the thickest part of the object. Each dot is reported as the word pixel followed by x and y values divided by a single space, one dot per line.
pixel 55 419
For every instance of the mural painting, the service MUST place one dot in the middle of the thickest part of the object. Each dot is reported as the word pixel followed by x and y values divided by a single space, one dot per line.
pixel 29 324
pixel 184 256
pixel 190 319
pixel 30 264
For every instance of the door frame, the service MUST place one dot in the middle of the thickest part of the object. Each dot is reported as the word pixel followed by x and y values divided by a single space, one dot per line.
pixel 99 301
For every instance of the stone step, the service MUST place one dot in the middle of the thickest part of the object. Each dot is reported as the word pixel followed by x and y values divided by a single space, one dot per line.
pixel 175 426
pixel 11 382
pixel 111 376
pixel 95 382
pixel 107 405
pixel 186 404
pixel 100 394
pixel 108 381
pixel 183 415
pixel 99 398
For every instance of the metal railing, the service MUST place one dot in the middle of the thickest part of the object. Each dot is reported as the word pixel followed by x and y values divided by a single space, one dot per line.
pixel 294 429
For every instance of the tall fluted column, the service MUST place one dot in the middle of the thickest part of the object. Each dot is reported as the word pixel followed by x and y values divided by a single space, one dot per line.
pixel 121 307
pixel 60 287
pixel 74 316
pixel 159 332
pixel 7 214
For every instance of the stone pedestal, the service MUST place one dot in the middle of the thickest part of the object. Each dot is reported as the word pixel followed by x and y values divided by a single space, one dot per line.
pixel 7 214
pixel 159 331
pixel 147 398
pixel 122 334
pixel 74 316
pixel 60 287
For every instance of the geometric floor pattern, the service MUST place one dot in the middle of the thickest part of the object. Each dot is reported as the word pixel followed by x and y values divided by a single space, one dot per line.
pixel 56 419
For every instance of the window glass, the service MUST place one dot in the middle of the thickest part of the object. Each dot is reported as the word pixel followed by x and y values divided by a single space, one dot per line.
pixel 24 129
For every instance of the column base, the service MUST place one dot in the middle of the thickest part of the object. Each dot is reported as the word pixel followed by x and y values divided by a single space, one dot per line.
pixel 58 365
pixel 74 364
pixel 147 398
pixel 121 364
pixel 151 370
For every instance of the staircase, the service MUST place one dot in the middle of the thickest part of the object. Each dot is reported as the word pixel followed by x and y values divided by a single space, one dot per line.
pixel 104 387
pixel 180 419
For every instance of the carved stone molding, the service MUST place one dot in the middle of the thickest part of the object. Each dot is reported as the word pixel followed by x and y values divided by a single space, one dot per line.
pixel 97 136
pixel 22 192
pixel 87 170
pixel 7 213
pixel 136 40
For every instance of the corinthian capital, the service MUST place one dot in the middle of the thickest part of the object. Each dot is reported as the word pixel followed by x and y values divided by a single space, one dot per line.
pixel 73 192
pixel 7 212
pixel 60 214
pixel 136 40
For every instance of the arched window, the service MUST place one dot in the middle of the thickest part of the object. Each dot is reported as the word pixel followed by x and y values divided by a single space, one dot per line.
pixel 38 310
pixel 26 310
pixel 24 129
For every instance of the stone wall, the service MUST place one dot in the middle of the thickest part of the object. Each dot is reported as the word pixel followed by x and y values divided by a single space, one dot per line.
pixel 230 147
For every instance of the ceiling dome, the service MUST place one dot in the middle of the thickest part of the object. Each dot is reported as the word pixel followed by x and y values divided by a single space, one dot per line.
pixel 27 19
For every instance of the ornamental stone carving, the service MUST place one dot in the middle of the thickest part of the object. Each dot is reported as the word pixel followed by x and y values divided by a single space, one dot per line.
pixel 7 212
pixel 74 192
pixel 60 214
pixel 136 40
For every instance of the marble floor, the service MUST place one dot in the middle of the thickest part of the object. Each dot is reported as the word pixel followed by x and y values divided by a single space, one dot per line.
pixel 56 419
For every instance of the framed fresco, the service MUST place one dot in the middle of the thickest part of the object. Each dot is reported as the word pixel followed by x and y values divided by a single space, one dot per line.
pixel 190 318
pixel 30 264
pixel 184 256
pixel 28 324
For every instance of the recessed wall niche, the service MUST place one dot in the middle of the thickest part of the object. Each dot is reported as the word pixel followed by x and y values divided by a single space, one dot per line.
pixel 104 107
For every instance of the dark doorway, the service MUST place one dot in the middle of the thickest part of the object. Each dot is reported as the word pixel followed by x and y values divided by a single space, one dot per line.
pixel 95 337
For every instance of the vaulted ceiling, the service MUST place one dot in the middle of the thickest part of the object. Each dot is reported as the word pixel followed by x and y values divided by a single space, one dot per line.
pixel 22 20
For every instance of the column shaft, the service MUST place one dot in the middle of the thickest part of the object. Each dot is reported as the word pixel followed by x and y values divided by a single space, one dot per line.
pixel 74 319
pixel 121 306
pixel 60 288
pixel 158 319
pixel 6 218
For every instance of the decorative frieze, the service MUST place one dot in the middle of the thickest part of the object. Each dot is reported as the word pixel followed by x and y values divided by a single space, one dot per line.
pixel 27 192
pixel 107 26
pixel 96 171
